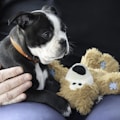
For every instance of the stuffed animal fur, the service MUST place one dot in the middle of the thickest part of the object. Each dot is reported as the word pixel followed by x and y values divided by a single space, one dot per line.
pixel 85 82
pixel 98 60
pixel 104 69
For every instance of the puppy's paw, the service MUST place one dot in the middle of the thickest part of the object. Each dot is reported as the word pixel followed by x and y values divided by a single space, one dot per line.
pixel 62 106
pixel 67 111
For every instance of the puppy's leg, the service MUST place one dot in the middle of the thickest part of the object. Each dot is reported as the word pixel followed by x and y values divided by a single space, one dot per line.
pixel 51 99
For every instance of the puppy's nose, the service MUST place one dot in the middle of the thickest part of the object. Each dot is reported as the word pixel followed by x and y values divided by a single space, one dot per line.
pixel 63 43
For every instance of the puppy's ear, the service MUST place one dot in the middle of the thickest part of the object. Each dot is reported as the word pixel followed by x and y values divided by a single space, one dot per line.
pixel 22 19
pixel 50 9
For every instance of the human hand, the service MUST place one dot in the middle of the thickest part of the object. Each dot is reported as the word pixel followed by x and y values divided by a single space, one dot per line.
pixel 13 84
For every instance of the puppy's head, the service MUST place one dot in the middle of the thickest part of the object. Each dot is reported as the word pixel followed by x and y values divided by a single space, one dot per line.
pixel 44 34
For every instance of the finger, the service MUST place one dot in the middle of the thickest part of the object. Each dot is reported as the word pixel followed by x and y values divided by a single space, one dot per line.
pixel 19 98
pixel 14 82
pixel 10 72
pixel 8 96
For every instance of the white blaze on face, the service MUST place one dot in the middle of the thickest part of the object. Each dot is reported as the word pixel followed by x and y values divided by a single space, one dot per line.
pixel 52 49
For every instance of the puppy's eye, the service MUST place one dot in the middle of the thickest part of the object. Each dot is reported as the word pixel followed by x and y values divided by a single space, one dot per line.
pixel 46 35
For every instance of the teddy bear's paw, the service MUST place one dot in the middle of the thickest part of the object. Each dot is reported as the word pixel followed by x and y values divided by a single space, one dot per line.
pixel 95 59
pixel 67 112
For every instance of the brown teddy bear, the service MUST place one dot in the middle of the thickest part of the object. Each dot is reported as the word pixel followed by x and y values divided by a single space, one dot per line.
pixel 83 84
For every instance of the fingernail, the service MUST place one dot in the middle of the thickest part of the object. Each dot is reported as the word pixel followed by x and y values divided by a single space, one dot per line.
pixel 27 76
pixel 20 69
pixel 29 83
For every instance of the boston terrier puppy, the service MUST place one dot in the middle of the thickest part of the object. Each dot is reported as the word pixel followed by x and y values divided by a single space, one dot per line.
pixel 38 38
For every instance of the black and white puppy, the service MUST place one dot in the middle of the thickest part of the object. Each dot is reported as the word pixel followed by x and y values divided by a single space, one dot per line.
pixel 38 38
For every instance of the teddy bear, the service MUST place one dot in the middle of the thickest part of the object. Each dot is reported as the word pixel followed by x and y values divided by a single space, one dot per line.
pixel 84 83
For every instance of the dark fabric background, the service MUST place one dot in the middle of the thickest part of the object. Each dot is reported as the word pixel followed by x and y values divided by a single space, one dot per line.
pixel 92 23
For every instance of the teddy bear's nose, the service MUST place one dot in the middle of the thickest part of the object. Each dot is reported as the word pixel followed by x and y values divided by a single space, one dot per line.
pixel 79 69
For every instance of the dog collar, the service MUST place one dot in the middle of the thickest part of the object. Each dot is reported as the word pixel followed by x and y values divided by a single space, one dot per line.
pixel 20 50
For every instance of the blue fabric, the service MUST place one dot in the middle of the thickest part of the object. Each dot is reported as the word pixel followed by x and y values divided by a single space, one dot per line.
pixel 29 111
pixel 107 109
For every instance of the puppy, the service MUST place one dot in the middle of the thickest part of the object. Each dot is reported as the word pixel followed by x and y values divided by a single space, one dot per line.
pixel 38 38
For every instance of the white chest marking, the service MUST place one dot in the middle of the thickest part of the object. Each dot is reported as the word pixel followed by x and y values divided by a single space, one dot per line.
pixel 40 76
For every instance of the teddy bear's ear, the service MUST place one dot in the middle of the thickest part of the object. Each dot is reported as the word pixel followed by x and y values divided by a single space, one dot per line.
pixel 95 59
